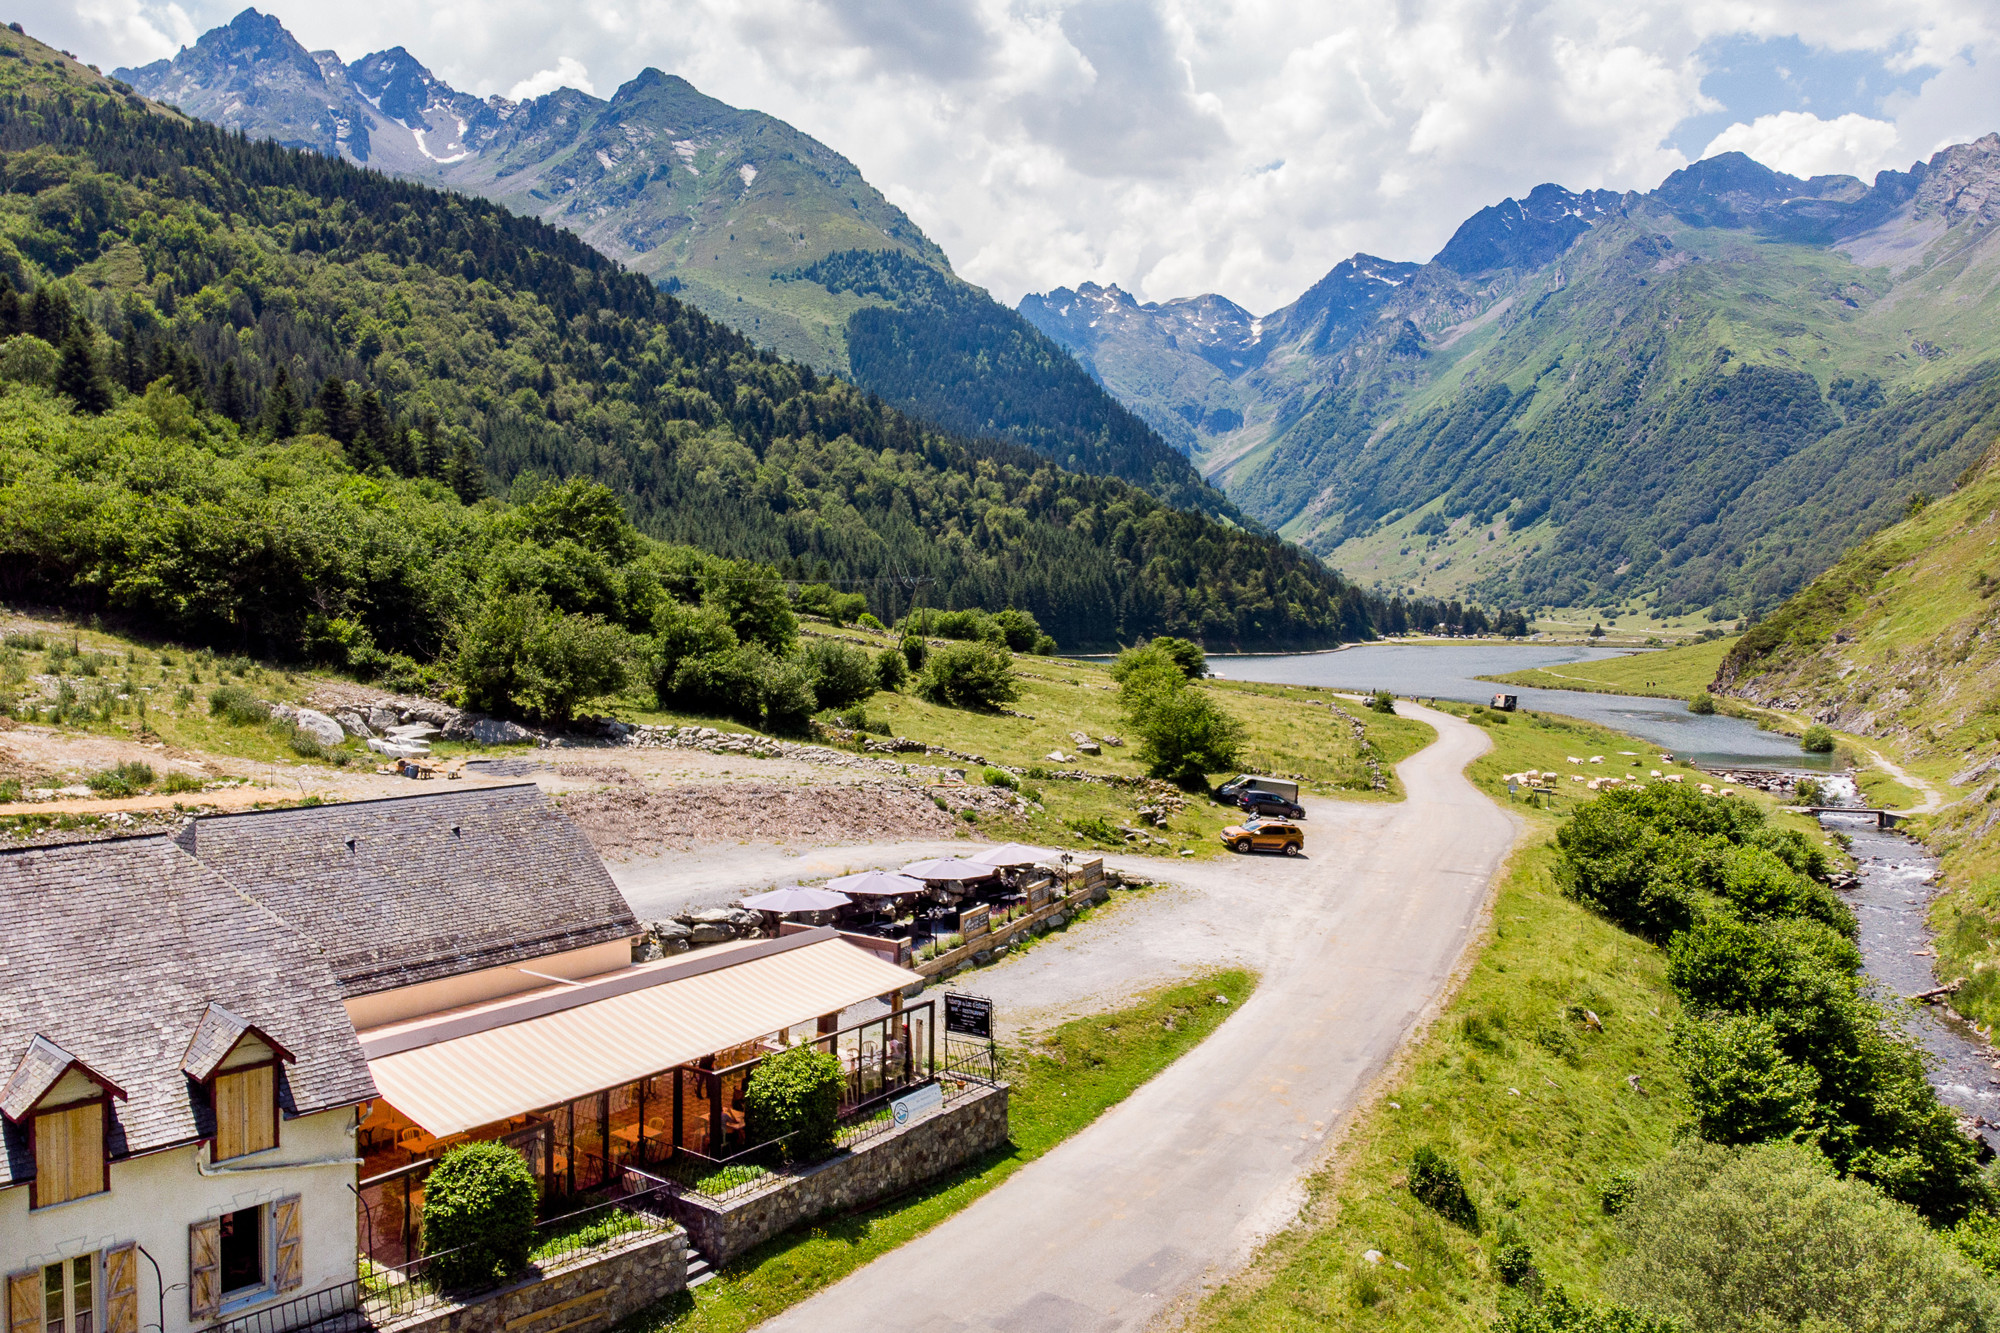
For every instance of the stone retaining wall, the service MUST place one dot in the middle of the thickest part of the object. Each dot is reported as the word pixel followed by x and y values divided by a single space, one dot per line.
pixel 897 1161
pixel 585 1295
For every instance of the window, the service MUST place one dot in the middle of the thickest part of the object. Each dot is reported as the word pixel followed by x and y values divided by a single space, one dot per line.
pixel 240 1251
pixel 68 1295
pixel 69 1154
pixel 246 1111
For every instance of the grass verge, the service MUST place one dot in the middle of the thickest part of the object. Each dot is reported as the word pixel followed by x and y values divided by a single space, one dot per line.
pixel 1062 1080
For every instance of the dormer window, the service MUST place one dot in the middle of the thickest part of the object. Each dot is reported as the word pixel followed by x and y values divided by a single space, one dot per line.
pixel 238 1063
pixel 65 1106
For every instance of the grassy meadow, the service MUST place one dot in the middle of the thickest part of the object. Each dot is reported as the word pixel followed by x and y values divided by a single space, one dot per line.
pixel 1667 673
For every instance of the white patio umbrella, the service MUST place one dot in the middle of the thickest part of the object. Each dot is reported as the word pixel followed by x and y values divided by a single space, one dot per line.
pixel 879 884
pixel 948 868
pixel 1014 854
pixel 797 898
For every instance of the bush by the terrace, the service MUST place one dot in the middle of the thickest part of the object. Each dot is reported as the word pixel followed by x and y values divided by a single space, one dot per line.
pixel 479 1215
pixel 1436 1184
pixel 797 1093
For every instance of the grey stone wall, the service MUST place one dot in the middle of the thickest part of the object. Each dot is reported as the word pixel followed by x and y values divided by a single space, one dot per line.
pixel 581 1296
pixel 880 1168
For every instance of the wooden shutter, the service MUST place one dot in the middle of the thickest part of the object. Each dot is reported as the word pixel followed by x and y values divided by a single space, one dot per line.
pixel 205 1269
pixel 285 1235
pixel 24 1301
pixel 69 1154
pixel 246 1112
pixel 121 1288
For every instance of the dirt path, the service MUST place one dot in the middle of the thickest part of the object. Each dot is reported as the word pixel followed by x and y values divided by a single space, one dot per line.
pixel 1180 1183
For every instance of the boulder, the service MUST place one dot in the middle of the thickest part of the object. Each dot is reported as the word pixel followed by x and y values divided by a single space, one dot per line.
pixel 381 719
pixel 1089 747
pixel 354 725
pixel 672 931
pixel 319 726
pixel 497 731
pixel 708 933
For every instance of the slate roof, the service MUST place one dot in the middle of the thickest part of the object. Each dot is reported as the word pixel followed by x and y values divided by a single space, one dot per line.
pixel 215 1037
pixel 41 1069
pixel 114 951
pixel 415 888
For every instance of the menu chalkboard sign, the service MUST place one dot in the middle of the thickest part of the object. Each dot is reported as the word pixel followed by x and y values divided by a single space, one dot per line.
pixel 968 1015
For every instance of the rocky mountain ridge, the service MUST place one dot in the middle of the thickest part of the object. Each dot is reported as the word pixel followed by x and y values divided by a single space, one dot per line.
pixel 1427 426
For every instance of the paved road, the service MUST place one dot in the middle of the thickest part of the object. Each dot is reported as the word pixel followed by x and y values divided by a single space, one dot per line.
pixel 1182 1181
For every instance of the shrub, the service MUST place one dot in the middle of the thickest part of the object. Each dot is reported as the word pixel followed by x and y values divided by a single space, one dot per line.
pixel 1557 1312
pixel 1614 1196
pixel 841 674
pixel 1978 1239
pixel 479 1215
pixel 845 607
pixel 867 620
pixel 999 777
pixel 125 780
pixel 1435 1184
pixel 890 670
pixel 1513 1262
pixel 915 652
pixel 1770 1237
pixel 29 360
pixel 1164 652
pixel 1183 733
pixel 1817 740
pixel 1382 702
pixel 235 705
pixel 177 783
pixel 1703 703
pixel 518 653
pixel 1020 631
pixel 974 676
pixel 1809 792
pixel 795 1092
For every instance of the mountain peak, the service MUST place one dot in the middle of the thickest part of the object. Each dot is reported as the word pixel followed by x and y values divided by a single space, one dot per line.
pixel 1526 233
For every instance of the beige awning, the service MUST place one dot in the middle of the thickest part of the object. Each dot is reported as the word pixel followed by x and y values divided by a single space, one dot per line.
pixel 485 1064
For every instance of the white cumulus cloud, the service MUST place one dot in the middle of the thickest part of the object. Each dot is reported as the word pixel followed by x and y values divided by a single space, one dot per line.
pixel 1802 144
pixel 568 73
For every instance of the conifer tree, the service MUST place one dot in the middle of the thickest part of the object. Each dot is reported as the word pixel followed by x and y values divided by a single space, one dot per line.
pixel 463 473
pixel 336 418
pixel 281 411
pixel 79 377
pixel 229 394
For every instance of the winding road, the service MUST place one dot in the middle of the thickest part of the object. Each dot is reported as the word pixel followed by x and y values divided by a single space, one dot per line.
pixel 1180 1183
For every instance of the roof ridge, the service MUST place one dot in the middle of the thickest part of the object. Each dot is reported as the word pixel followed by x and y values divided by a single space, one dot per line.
pixel 367 800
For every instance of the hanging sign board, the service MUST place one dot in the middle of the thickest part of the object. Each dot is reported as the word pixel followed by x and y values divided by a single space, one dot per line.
pixel 968 1015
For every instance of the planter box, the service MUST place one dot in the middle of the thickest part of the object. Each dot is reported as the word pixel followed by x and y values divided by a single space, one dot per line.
pixel 882 1167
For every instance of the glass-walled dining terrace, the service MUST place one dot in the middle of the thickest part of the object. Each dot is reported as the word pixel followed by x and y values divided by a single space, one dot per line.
pixel 693 1112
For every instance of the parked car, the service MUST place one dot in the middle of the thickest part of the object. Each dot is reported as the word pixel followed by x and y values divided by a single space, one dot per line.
pixel 1238 787
pixel 1270 803
pixel 1264 835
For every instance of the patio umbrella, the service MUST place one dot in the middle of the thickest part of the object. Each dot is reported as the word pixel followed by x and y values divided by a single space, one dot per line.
pixel 878 884
pixel 948 867
pixel 1014 854
pixel 797 899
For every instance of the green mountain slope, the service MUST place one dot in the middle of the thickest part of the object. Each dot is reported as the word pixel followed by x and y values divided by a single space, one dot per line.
pixel 1685 400
pixel 420 333
pixel 1900 641
pixel 716 203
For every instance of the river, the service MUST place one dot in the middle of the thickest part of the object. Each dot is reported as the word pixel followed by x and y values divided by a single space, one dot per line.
pixel 1452 671
pixel 1892 904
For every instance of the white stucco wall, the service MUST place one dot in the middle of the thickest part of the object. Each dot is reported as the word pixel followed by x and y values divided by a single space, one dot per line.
pixel 155 1198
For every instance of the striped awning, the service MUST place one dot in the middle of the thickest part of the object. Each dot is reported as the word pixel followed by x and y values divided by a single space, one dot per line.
pixel 453 1072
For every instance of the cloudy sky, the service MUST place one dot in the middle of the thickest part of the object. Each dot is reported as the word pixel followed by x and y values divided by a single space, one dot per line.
pixel 1182 146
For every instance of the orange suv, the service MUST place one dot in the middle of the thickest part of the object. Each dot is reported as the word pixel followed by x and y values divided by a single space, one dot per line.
pixel 1264 835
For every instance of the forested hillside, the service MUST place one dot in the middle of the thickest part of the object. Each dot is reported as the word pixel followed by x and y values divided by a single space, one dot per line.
pixel 726 207
pixel 425 333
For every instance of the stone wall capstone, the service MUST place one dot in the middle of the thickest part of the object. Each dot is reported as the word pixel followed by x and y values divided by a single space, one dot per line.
pixel 586 1295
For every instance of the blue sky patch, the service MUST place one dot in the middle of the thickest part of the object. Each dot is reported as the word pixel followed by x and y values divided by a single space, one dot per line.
pixel 1755 77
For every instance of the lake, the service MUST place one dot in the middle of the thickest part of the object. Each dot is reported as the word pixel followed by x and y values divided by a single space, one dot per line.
pixel 1452 671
